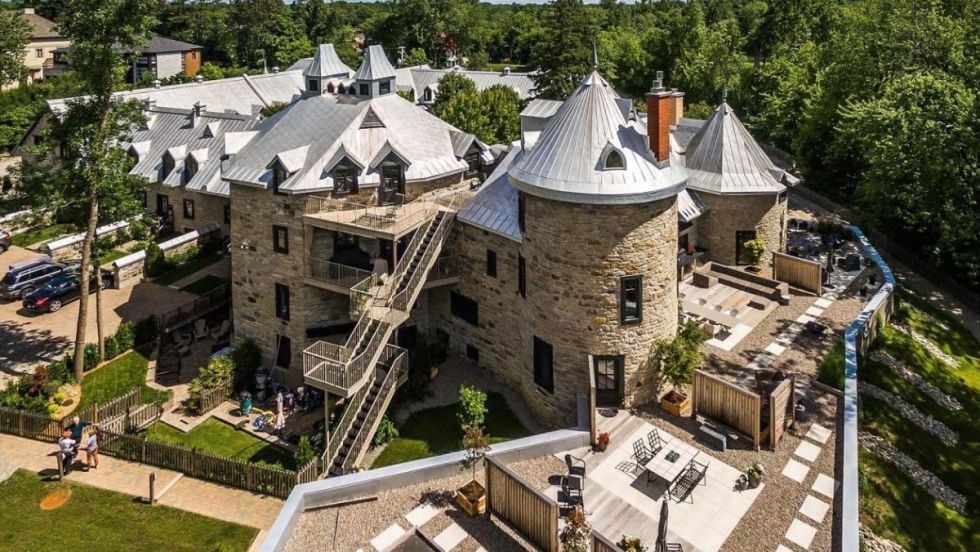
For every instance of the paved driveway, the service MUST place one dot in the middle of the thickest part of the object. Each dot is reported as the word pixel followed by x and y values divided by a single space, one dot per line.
pixel 28 339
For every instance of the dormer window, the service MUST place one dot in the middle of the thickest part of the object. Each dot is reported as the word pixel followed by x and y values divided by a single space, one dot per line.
pixel 392 184
pixel 190 169
pixel 613 160
pixel 341 89
pixel 279 176
pixel 472 160
pixel 168 165
pixel 344 179
pixel 330 88
pixel 427 95
pixel 384 87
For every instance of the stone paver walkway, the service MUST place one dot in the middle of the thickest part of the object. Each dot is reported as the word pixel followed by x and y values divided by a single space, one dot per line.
pixel 192 495
pixel 812 512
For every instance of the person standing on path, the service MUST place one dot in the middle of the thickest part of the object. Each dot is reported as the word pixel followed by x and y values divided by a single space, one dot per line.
pixel 92 449
pixel 76 427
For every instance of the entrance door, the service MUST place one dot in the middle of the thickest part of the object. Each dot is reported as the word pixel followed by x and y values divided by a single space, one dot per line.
pixel 608 381
pixel 392 187
pixel 161 204
pixel 742 236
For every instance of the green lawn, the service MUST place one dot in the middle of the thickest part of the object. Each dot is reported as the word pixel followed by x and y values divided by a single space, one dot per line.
pixel 204 284
pixel 891 504
pixel 104 260
pixel 186 269
pixel 831 368
pixel 95 519
pixel 954 339
pixel 219 438
pixel 117 377
pixel 434 431
pixel 41 234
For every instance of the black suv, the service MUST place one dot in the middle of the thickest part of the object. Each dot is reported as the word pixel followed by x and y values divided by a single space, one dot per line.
pixel 25 277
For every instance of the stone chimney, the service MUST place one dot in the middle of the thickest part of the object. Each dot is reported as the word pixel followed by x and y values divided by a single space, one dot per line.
pixel 678 105
pixel 660 107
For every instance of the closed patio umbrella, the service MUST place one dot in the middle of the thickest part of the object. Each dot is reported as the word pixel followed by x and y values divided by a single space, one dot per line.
pixel 661 545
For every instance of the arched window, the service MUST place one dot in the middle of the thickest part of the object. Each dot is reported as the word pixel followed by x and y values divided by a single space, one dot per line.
pixel 428 94
pixel 341 89
pixel 330 88
pixel 613 160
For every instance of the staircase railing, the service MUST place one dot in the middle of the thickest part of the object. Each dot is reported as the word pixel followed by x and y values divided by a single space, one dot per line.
pixel 387 387
pixel 403 299
pixel 339 434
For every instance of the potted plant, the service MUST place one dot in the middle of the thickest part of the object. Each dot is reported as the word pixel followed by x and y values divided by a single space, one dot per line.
pixel 630 543
pixel 755 472
pixel 754 251
pixel 472 497
pixel 602 441
pixel 676 360
pixel 574 536
pixel 742 482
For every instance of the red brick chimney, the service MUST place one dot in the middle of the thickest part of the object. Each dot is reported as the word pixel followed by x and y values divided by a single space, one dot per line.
pixel 660 115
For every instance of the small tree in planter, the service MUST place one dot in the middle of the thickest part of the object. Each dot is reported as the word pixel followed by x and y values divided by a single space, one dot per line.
pixel 754 251
pixel 472 497
pixel 574 536
pixel 472 407
pixel 676 360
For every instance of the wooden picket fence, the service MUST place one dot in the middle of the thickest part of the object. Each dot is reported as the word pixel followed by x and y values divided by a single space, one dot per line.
pixel 42 428
pixel 529 510
pixel 212 398
pixel 99 413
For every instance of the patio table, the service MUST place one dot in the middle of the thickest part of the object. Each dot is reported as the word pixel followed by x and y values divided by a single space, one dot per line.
pixel 660 466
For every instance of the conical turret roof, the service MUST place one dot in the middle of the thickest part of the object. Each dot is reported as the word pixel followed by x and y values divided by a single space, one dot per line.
pixel 326 63
pixel 375 65
pixel 724 158
pixel 590 152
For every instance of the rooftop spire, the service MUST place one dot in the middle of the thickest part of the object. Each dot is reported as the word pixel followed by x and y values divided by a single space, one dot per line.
pixel 595 57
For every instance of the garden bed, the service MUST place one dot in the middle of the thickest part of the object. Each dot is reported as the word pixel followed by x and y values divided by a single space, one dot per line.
pixel 187 268
pixel 41 234
pixel 219 438
pixel 103 520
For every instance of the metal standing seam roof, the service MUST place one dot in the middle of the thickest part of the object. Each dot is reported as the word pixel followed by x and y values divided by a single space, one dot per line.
pixel 690 206
pixel 541 109
pixel 565 163
pixel 724 158
pixel 325 124
pixel 521 83
pixel 326 63
pixel 494 208
pixel 375 65
pixel 234 94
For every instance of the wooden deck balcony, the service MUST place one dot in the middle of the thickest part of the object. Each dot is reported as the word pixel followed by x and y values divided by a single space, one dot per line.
pixel 333 276
pixel 374 221
pixel 445 272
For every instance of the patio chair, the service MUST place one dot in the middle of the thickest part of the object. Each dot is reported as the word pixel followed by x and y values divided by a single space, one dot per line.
pixel 181 338
pixel 689 479
pixel 200 329
pixel 571 486
pixel 222 331
pixel 641 453
pixel 576 466
pixel 656 443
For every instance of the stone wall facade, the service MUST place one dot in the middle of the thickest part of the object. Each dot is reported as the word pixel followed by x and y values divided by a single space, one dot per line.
pixel 208 208
pixel 727 214
pixel 575 256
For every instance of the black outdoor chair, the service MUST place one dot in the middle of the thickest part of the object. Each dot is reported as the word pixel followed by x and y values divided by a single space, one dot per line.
pixel 571 487
pixel 692 476
pixel 576 466
pixel 641 453
pixel 655 442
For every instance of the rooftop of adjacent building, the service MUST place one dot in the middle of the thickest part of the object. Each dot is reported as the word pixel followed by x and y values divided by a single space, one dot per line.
pixel 40 27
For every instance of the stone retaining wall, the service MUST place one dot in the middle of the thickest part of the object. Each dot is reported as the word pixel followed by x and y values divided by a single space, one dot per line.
pixel 129 270
pixel 69 248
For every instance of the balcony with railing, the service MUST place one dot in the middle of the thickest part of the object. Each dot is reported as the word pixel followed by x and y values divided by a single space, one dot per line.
pixel 334 276
pixel 376 221
pixel 445 272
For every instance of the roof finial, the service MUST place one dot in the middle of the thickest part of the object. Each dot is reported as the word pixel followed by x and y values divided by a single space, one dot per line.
pixel 595 57
pixel 724 91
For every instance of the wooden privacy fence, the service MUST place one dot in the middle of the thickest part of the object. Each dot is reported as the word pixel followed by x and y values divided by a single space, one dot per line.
pixel 602 544
pixel 268 480
pixel 782 409
pixel 800 273
pixel 526 508
pixel 729 404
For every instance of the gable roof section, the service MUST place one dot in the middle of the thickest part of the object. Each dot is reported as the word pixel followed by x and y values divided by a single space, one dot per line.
pixel 423 77
pixel 724 158
pixel 40 27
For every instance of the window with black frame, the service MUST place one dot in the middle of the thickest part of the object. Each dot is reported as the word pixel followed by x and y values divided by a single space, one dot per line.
pixel 472 160
pixel 280 239
pixel 344 179
pixel 491 263
pixel 189 209
pixel 464 308
pixel 520 212
pixel 190 169
pixel 168 165
pixel 391 182
pixel 544 370
pixel 631 299
pixel 384 87
pixel 521 275
pixel 282 301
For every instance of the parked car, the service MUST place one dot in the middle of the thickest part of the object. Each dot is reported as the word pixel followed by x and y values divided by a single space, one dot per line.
pixel 4 241
pixel 57 292
pixel 25 277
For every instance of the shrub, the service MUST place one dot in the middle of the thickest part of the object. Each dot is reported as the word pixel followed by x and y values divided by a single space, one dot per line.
pixel 246 358
pixel 38 380
pixel 755 251
pixel 218 373
pixel 472 407
pixel 155 263
pixel 677 358
pixel 60 371
pixel 387 432
pixel 304 451
pixel 111 347
pixel 124 337
pixel 92 358
pixel 145 330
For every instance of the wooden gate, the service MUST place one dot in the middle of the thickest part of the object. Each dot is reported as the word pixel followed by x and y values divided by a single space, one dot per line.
pixel 526 508
pixel 729 404
pixel 782 409
pixel 800 273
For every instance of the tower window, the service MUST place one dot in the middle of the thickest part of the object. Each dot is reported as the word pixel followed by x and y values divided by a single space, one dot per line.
pixel 282 301
pixel 520 212
pixel 314 85
pixel 631 299
pixel 544 370
pixel 613 160
pixel 491 263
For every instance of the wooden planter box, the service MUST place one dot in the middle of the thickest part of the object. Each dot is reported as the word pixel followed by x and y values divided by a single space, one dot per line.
pixel 676 403
pixel 472 497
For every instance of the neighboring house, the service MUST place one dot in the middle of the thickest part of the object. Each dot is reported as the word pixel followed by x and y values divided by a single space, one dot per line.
pixel 163 58
pixel 422 81
pixel 40 51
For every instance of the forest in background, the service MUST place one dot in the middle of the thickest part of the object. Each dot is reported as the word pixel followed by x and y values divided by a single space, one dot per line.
pixel 875 99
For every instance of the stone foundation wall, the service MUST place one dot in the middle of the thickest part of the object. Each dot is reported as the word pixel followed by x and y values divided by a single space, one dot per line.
pixel 731 213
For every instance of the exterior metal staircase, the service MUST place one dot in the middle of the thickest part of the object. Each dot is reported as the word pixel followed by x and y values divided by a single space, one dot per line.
pixel 366 369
